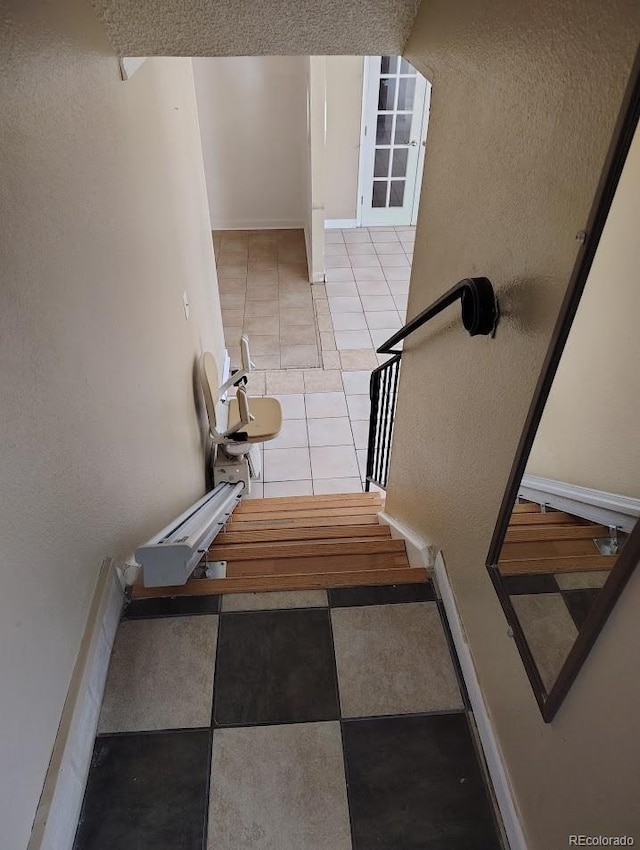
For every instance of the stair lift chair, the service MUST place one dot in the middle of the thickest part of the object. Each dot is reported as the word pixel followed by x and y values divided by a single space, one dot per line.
pixel 239 425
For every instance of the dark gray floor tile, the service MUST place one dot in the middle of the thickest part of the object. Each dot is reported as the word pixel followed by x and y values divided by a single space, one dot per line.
pixel 516 585
pixel 146 792
pixel 166 606
pixel 347 597
pixel 415 784
pixel 275 667
pixel 580 602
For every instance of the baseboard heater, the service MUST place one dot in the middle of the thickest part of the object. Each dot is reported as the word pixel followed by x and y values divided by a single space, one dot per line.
pixel 171 556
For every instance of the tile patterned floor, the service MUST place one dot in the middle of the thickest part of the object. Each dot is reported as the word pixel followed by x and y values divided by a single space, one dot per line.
pixel 322 446
pixel 334 720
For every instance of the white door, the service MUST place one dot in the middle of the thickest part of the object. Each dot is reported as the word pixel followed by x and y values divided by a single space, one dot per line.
pixel 394 127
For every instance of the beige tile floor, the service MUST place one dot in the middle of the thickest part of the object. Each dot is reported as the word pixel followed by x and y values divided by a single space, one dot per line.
pixel 322 446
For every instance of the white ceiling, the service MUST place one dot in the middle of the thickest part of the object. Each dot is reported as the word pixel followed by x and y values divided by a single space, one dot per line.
pixel 257 27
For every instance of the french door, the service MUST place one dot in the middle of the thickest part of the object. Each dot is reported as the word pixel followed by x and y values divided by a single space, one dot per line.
pixel 394 125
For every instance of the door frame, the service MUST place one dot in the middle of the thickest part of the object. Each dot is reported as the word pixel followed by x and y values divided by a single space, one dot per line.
pixel 424 125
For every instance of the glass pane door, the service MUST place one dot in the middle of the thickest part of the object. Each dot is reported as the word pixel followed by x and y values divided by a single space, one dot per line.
pixel 391 151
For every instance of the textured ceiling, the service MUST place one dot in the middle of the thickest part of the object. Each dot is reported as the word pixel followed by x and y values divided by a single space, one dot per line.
pixel 256 27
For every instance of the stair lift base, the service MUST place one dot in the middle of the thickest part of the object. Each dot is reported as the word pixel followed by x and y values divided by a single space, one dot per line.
pixel 231 468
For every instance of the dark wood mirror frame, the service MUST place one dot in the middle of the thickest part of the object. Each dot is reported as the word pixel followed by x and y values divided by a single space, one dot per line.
pixel 549 702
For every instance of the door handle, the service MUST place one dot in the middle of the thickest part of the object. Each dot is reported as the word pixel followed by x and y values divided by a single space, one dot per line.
pixel 413 143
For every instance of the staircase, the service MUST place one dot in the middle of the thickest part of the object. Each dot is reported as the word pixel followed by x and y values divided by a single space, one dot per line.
pixel 302 543
pixel 551 542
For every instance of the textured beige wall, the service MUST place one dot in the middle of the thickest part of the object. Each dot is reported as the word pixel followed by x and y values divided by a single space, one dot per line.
pixel 589 430
pixel 103 225
pixel 344 116
pixel 524 102
pixel 253 125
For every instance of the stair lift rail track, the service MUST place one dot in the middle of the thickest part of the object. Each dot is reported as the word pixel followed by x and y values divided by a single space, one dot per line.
pixel 479 316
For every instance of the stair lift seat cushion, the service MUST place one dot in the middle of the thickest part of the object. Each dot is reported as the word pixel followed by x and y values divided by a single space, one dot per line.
pixel 267 422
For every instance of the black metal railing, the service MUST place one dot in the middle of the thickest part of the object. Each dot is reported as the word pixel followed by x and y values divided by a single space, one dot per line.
pixel 479 316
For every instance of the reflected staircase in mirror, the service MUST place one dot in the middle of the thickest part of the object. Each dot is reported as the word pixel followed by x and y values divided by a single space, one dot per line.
pixel 301 543
pixel 550 541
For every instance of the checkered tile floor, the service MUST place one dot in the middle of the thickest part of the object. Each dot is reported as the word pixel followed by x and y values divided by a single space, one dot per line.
pixel 286 721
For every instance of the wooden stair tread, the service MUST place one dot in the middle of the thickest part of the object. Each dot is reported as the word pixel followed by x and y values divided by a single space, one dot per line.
pixel 303 549
pixel 372 500
pixel 526 507
pixel 303 522
pixel 303 513
pixel 547 548
pixel 282 533
pixel 293 581
pixel 522 534
pixel 578 564
pixel 548 518
pixel 316 564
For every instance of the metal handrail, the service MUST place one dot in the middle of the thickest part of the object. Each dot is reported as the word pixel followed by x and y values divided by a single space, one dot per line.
pixel 479 311
pixel 480 315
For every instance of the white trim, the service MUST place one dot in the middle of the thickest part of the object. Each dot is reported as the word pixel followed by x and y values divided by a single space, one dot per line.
pixel 258 224
pixel 58 811
pixel 419 552
pixel 490 745
pixel 340 223
pixel 417 188
pixel 363 123
pixel 595 505
pixel 129 65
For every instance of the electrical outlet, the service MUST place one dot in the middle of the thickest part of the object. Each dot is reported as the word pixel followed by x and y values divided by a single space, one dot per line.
pixel 185 302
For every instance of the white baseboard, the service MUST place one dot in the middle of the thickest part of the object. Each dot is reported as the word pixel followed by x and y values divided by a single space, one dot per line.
pixel 338 223
pixel 419 552
pixel 490 746
pixel 257 224
pixel 595 505
pixel 57 815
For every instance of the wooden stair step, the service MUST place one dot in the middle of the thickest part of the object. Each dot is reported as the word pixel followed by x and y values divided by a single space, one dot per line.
pixel 548 518
pixel 524 534
pixel 277 535
pixel 304 549
pixel 303 513
pixel 547 549
pixel 293 581
pixel 526 507
pixel 317 564
pixel 321 521
pixel 372 500
pixel 581 563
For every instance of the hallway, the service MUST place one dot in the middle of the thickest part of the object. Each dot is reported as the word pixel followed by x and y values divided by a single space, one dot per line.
pixel 319 720
pixel 265 293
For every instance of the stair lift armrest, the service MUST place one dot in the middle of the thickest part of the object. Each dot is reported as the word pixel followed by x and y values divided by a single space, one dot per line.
pixel 246 365
pixel 245 414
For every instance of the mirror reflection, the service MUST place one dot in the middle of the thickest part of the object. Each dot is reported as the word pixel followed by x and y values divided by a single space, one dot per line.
pixel 580 496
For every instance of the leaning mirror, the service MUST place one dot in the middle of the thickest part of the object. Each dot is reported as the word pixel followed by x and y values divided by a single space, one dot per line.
pixel 566 541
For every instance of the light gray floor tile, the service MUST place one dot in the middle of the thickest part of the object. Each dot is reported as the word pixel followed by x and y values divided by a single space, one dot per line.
pixel 549 630
pixel 274 600
pixel 394 261
pixel 386 248
pixel 344 289
pixel 383 319
pixel 324 405
pixel 285 382
pixel 355 249
pixel 161 675
pixel 331 360
pixel 327 486
pixel 345 304
pixel 337 261
pixel 286 465
pixel 334 462
pixel 397 274
pixel 288 488
pixel 322 381
pixel 359 406
pixel 381 335
pixel 299 355
pixel 365 261
pixel 356 383
pixel 375 303
pixel 332 237
pixel 349 322
pixel 373 287
pixel 350 340
pixel 358 360
pixel 293 435
pixel 580 581
pixel 360 430
pixel 357 234
pixel 370 275
pixel 393 659
pixel 384 236
pixel 293 403
pixel 278 788
pixel 257 491
pixel 339 275
pixel 335 431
